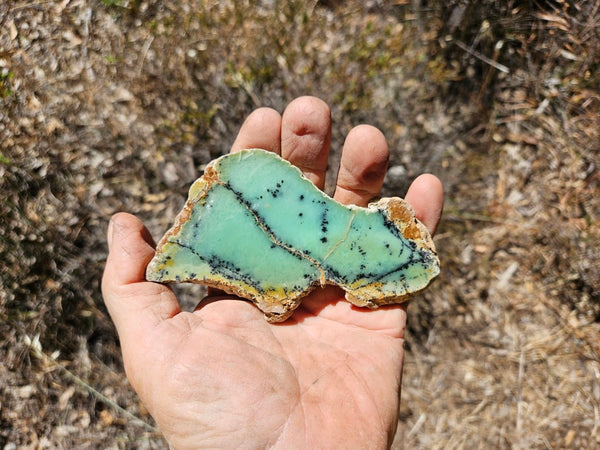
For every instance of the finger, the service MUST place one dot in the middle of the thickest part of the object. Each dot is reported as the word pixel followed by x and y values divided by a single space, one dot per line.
pixel 362 167
pixel 262 129
pixel 134 304
pixel 426 196
pixel 306 136
pixel 129 241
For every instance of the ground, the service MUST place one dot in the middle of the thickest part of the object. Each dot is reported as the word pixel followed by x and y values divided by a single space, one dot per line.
pixel 117 105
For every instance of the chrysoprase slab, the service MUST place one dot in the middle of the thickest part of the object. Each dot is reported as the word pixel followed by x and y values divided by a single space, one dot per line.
pixel 255 227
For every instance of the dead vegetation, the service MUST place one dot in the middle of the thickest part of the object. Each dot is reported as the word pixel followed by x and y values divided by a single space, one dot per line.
pixel 116 105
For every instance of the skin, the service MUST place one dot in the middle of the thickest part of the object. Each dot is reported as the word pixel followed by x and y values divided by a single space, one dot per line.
pixel 221 376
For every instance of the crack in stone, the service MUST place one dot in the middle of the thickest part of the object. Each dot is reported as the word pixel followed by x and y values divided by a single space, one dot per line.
pixel 343 239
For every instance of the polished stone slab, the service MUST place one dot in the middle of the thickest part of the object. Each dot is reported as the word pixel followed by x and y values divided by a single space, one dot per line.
pixel 255 227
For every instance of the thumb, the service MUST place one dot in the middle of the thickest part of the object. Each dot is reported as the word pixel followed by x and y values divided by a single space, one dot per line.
pixel 135 305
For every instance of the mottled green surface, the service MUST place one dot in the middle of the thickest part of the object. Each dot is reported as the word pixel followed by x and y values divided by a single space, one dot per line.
pixel 255 226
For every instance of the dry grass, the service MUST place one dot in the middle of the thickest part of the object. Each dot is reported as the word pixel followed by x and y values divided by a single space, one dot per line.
pixel 117 105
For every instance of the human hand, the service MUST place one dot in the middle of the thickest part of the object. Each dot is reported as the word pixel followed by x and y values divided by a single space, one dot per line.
pixel 221 376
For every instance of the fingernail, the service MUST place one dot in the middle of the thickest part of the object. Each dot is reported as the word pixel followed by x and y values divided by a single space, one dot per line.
pixel 109 233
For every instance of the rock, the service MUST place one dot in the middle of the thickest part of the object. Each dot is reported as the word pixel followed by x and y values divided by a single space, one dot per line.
pixel 396 177
pixel 255 227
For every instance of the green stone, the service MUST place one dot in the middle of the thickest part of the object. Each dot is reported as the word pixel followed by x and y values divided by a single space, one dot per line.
pixel 255 227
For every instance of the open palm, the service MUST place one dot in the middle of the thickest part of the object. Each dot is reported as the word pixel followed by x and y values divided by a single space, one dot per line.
pixel 221 376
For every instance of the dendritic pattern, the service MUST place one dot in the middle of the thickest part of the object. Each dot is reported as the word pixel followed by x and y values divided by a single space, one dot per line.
pixel 255 227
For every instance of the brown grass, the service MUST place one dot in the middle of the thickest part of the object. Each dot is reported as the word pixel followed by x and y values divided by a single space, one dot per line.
pixel 118 105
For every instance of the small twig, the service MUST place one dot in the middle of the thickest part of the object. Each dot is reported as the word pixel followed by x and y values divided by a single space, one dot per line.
pixel 416 427
pixel 594 431
pixel 248 88
pixel 104 399
pixel 464 217
pixel 36 351
pixel 145 50
pixel 520 394
pixel 482 57
pixel 84 44
pixel 30 5
pixel 5 15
